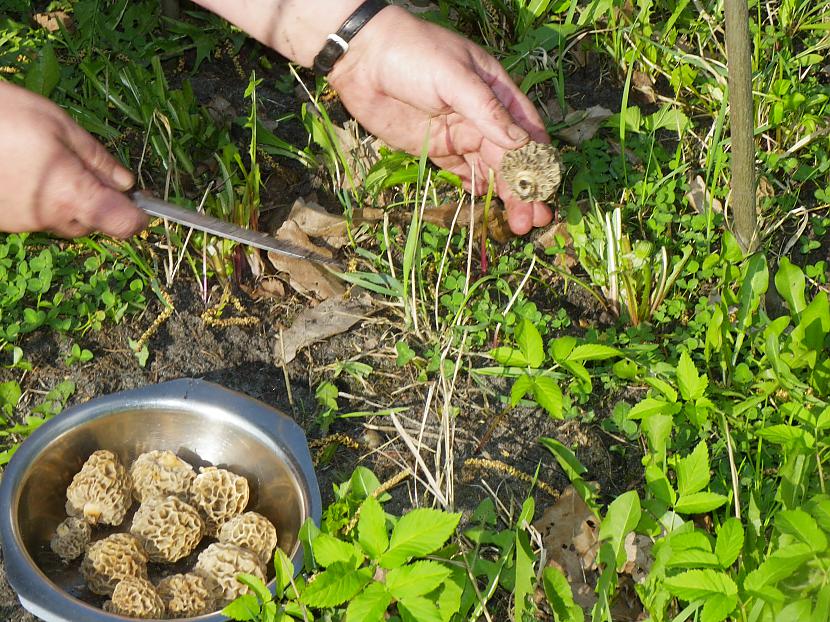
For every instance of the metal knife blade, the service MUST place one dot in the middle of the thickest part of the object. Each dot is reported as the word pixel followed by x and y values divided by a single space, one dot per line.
pixel 224 229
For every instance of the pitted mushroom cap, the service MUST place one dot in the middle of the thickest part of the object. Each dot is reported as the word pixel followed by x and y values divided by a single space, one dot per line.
pixel 533 172
pixel 185 595
pixel 220 564
pixel 136 598
pixel 160 474
pixel 168 528
pixel 219 495
pixel 101 491
pixel 71 538
pixel 111 559
pixel 251 531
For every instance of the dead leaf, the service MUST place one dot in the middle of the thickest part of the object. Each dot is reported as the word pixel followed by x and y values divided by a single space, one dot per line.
pixel 700 198
pixel 583 124
pixel 53 20
pixel 331 317
pixel 313 219
pixel 305 277
pixel 267 287
pixel 638 554
pixel 644 84
pixel 569 532
pixel 497 227
pixel 362 152
pixel 554 235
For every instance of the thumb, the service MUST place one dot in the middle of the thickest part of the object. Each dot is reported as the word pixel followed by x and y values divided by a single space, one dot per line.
pixel 473 98
pixel 97 159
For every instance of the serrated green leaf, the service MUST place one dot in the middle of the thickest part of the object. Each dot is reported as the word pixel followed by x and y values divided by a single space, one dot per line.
pixel 371 528
pixel 730 542
pixel 415 579
pixel 419 609
pixel 335 585
pixel 283 572
pixel 520 387
pixel 509 357
pixel 547 393
pixel 329 550
pixel 418 533
pixel 717 607
pixel 802 526
pixel 561 347
pixel 560 596
pixel 370 605
pixel 693 471
pixel 699 503
pixel 449 600
pixel 621 518
pixel 259 589
pixel 781 564
pixel 790 282
pixel 593 352
pixel 44 73
pixel 530 343
pixel 244 609
pixel 783 434
pixel 819 508
pixel 691 384
pixel 650 406
pixel 694 584
pixel 662 386
pixel 692 558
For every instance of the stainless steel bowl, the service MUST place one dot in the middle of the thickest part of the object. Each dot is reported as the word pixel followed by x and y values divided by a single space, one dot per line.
pixel 201 422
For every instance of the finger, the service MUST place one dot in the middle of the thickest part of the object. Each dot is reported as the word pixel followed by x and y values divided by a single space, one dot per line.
pixel 97 159
pixel 520 214
pixel 471 97
pixel 71 229
pixel 542 214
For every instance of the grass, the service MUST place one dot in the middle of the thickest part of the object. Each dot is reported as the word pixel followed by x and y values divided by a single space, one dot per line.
pixel 709 368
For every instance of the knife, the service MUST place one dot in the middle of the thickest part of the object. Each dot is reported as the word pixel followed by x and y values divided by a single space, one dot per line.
pixel 227 230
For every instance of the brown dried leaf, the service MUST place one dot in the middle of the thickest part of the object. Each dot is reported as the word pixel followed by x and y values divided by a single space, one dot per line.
pixel 569 532
pixel 362 152
pixel 497 227
pixel 699 197
pixel 331 317
pixel 53 20
pixel 583 124
pixel 313 219
pixel 305 277
pixel 554 235
pixel 645 85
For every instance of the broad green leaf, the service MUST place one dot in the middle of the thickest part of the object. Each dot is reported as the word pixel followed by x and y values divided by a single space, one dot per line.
pixel 525 576
pixel 622 517
pixel 814 323
pixel 658 429
pixel 44 73
pixel 530 343
pixel 659 485
pixel 822 605
pixel 565 457
pixel 783 434
pixel 691 384
pixel 797 611
pixel 662 386
pixel 650 406
pixel 804 527
pixel 692 558
pixel 362 483
pixel 419 609
pixel 415 579
pixel 699 503
pixel 593 352
pixel 781 564
pixel 560 596
pixel 335 585
pixel 509 357
pixel 548 394
pixel 370 605
pixel 790 281
pixel 418 533
pixel 449 600
pixel 561 347
pixel 694 584
pixel 371 528
pixel 753 287
pixel 520 387
pixel 283 572
pixel 329 550
pixel 258 588
pixel 693 471
pixel 819 508
pixel 244 609
pixel 730 542
pixel 717 607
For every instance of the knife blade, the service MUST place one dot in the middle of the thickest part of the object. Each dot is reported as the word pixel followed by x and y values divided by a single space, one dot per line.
pixel 225 229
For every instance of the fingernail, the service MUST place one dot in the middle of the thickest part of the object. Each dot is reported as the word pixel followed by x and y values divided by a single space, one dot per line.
pixel 122 178
pixel 517 133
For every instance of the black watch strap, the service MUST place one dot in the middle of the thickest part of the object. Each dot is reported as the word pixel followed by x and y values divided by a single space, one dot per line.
pixel 337 43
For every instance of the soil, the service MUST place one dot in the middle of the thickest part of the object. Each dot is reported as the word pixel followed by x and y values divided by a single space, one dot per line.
pixel 243 358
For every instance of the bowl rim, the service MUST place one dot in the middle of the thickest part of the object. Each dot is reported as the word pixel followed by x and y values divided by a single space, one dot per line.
pixel 42 597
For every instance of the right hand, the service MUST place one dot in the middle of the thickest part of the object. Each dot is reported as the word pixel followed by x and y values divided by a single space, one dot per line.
pixel 55 177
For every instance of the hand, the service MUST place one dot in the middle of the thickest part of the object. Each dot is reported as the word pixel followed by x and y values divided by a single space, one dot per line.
pixel 56 177
pixel 403 77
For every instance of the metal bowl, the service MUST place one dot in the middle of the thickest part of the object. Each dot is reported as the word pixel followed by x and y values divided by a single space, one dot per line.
pixel 201 422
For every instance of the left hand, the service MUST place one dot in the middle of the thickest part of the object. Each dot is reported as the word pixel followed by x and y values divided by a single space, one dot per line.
pixel 403 77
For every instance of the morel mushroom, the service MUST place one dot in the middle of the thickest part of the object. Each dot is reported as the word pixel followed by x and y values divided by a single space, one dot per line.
pixel 71 538
pixel 251 531
pixel 160 474
pixel 136 598
pixel 111 559
pixel 167 528
pixel 185 595
pixel 533 172
pixel 220 564
pixel 101 491
pixel 219 495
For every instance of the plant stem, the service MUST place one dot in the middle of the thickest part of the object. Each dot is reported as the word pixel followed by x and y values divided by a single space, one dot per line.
pixel 742 127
